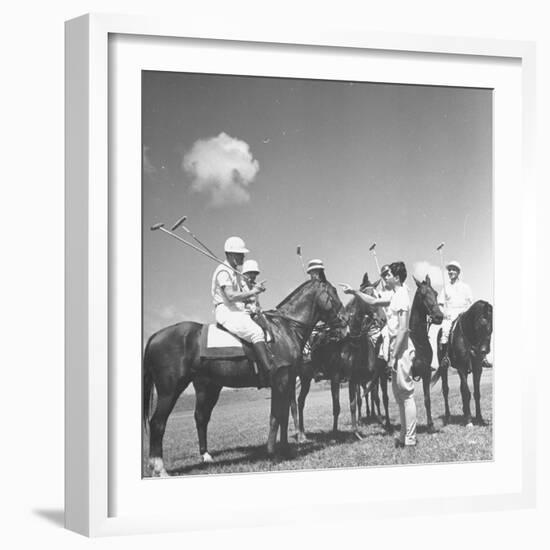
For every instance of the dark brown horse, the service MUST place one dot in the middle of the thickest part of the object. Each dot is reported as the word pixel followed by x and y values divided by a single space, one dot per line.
pixel 469 343
pixel 424 308
pixel 353 358
pixel 172 361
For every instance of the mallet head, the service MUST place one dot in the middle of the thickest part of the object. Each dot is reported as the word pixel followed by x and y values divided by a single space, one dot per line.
pixel 156 226
pixel 372 247
pixel 299 250
pixel 440 246
pixel 179 222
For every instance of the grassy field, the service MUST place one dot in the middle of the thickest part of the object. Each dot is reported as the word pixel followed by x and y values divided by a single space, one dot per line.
pixel 237 434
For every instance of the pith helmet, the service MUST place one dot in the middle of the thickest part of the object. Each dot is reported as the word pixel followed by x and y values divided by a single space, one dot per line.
pixel 235 244
pixel 315 264
pixel 454 264
pixel 251 266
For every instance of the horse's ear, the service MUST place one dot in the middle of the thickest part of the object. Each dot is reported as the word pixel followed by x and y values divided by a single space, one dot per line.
pixel 418 283
pixel 428 280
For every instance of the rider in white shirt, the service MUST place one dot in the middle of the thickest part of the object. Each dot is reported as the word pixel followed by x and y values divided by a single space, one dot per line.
pixel 457 299
pixel 230 296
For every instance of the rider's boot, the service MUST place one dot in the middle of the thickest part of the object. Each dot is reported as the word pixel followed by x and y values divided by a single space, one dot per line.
pixel 265 364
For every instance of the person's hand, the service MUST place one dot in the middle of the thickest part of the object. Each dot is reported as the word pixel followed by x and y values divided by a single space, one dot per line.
pixel 259 287
pixel 346 288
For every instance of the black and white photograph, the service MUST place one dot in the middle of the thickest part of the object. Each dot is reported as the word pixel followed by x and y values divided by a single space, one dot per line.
pixel 317 274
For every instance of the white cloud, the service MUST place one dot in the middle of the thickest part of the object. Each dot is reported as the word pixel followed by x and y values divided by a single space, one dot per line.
pixel 223 168
pixel 421 269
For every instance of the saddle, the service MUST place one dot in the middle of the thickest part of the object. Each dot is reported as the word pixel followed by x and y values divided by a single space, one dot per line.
pixel 216 342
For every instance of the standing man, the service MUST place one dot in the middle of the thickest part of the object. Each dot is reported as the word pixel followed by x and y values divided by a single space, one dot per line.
pixel 458 298
pixel 401 349
pixel 229 297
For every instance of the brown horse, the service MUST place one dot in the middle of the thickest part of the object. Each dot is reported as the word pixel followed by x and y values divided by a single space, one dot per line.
pixel 352 358
pixel 172 361
pixel 469 343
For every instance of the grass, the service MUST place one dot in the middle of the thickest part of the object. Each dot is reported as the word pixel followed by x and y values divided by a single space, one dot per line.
pixel 237 434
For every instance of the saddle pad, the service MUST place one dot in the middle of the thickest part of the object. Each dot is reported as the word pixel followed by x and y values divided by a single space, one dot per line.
pixel 219 344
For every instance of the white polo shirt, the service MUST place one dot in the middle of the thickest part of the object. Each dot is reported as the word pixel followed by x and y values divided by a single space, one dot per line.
pixel 224 276
pixel 459 298
pixel 399 302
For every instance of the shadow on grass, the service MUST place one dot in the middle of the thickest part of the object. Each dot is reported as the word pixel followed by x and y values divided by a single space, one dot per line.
pixel 458 420
pixel 251 454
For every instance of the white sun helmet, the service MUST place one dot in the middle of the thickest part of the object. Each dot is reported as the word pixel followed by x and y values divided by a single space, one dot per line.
pixel 454 264
pixel 251 266
pixel 315 264
pixel 235 244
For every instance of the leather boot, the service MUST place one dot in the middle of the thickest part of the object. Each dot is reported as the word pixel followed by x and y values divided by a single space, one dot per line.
pixel 265 365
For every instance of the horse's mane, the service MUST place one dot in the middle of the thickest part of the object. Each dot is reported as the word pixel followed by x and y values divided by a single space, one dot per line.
pixel 292 294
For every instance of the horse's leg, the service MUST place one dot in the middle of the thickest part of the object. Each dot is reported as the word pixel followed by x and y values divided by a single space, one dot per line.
pixel 280 403
pixel 165 404
pixel 335 390
pixel 465 391
pixel 353 391
pixel 476 373
pixel 285 385
pixel 294 408
pixel 304 390
pixel 360 402
pixel 206 397
pixel 426 379
pixel 445 389
pixel 375 397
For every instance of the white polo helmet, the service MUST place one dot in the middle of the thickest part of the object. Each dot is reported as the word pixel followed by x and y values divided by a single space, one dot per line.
pixel 235 244
pixel 251 266
pixel 454 264
pixel 315 264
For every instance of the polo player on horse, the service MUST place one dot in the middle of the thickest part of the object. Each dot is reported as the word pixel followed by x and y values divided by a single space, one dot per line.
pixel 458 298
pixel 230 297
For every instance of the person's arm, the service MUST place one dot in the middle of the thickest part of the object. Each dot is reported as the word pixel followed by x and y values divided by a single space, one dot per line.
pixel 370 300
pixel 241 295
pixel 402 337
pixel 233 295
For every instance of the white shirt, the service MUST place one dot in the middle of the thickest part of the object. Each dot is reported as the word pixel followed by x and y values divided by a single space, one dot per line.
pixel 399 302
pixel 224 276
pixel 459 298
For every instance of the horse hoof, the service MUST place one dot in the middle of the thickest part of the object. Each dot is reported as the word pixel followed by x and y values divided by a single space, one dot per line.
pixel 207 458
pixel 469 425
pixel 301 438
pixel 157 468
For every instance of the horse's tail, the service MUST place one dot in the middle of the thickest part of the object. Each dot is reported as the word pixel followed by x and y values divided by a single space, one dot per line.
pixel 148 385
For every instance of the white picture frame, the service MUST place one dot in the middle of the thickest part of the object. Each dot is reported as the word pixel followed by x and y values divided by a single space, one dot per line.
pixel 92 471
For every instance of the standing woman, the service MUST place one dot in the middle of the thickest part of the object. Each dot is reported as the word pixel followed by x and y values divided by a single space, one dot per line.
pixel 401 350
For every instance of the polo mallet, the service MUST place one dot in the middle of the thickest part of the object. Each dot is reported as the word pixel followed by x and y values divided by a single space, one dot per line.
pixel 160 226
pixel 179 223
pixel 372 248
pixel 299 253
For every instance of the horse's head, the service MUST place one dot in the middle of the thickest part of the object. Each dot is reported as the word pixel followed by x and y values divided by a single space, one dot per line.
pixel 329 306
pixel 428 297
pixel 483 326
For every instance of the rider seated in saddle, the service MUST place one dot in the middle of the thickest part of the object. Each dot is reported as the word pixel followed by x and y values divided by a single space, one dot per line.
pixel 230 296
pixel 457 297
pixel 316 271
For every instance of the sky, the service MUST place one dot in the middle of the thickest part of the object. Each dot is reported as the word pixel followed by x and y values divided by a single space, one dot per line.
pixel 332 166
